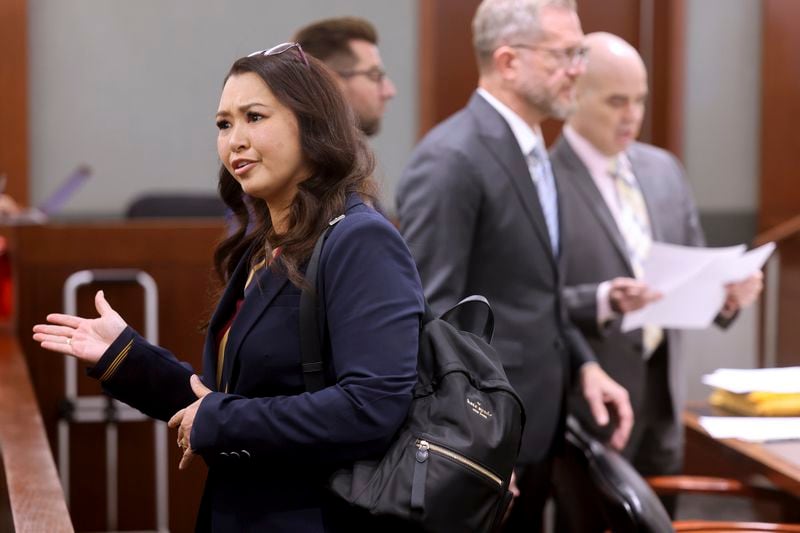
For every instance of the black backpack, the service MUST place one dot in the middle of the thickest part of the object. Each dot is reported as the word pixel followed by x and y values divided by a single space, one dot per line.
pixel 449 466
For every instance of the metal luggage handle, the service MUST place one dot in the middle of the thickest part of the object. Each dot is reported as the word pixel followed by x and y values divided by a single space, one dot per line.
pixel 94 407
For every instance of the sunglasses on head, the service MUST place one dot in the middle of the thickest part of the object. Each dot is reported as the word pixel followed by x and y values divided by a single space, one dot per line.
pixel 281 48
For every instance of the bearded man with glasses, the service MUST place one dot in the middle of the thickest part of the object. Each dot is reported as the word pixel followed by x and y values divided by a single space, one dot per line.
pixel 480 211
pixel 349 47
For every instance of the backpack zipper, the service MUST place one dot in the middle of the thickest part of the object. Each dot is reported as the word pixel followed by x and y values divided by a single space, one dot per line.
pixel 424 446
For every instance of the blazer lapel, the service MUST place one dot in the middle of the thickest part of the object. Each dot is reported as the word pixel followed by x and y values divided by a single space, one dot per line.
pixel 225 309
pixel 254 305
pixel 499 139
pixel 233 291
pixel 250 311
pixel 582 181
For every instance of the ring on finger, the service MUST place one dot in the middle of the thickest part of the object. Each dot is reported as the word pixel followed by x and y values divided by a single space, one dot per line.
pixel 69 341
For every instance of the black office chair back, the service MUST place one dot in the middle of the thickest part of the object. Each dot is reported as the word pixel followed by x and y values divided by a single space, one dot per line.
pixel 174 205
pixel 627 502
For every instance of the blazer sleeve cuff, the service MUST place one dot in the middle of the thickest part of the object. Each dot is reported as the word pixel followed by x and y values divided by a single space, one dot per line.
pixel 725 322
pixel 113 357
pixel 205 435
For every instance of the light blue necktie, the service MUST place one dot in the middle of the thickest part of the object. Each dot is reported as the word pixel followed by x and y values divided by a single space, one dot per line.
pixel 542 174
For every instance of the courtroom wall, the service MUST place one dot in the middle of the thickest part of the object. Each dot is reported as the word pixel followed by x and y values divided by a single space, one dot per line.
pixel 721 153
pixel 131 88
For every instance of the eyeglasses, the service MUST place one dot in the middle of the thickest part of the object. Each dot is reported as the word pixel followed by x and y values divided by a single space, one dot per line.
pixel 566 57
pixel 281 48
pixel 375 74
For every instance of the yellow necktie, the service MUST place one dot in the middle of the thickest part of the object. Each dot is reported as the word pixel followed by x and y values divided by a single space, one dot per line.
pixel 634 224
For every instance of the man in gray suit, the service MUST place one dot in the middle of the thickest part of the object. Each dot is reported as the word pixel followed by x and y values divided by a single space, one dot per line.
pixel 479 209
pixel 621 195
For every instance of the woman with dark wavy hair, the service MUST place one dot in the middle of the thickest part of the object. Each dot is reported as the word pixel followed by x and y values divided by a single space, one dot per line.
pixel 292 160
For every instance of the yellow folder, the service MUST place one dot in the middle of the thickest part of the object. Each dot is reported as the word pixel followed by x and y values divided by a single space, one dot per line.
pixel 757 403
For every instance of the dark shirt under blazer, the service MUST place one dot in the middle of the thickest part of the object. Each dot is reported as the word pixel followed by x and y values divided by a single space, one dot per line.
pixel 269 444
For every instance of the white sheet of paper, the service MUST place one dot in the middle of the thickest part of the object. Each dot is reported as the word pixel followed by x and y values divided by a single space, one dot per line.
pixel 670 265
pixel 692 281
pixel 752 429
pixel 742 380
pixel 747 264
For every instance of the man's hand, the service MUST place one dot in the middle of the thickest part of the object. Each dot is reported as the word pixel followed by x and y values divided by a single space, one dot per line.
pixel 184 420
pixel 599 389
pixel 628 294
pixel 742 293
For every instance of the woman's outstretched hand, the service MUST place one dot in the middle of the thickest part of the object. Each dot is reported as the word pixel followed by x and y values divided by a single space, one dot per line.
pixel 84 338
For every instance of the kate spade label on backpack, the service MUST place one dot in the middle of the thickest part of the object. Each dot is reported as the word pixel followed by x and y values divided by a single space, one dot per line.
pixel 479 410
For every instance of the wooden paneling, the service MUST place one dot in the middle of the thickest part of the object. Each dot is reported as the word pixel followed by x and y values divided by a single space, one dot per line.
pixel 178 256
pixel 780 145
pixel 14 96
pixel 447 70
pixel 620 17
pixel 780 112
pixel 788 341
pixel 664 126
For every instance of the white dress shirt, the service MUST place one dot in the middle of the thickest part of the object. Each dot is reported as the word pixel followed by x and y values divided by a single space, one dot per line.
pixel 527 137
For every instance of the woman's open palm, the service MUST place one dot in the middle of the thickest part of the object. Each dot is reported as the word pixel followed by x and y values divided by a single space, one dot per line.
pixel 84 338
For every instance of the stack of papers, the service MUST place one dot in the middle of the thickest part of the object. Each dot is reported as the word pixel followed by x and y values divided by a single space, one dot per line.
pixel 751 429
pixel 760 391
pixel 692 281
pixel 739 380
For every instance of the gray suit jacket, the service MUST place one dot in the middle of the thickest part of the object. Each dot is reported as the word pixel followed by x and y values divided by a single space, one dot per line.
pixel 471 216
pixel 597 253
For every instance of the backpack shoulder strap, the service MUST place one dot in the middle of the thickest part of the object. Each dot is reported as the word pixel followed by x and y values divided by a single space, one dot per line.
pixel 312 315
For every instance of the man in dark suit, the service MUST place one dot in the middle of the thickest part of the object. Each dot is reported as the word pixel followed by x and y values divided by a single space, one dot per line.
pixel 622 195
pixel 349 46
pixel 479 210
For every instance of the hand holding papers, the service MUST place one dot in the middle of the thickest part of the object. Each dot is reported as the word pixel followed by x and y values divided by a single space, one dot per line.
pixel 692 281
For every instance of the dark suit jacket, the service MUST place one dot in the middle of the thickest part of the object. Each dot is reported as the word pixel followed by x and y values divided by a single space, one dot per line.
pixel 597 253
pixel 269 444
pixel 469 211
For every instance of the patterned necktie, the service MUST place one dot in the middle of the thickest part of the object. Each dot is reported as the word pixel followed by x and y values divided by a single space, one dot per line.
pixel 634 225
pixel 542 174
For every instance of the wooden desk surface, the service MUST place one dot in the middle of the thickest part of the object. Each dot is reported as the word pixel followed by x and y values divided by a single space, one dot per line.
pixel 777 461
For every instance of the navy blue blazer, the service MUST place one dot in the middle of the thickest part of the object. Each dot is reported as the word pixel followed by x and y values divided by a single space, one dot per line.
pixel 269 444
